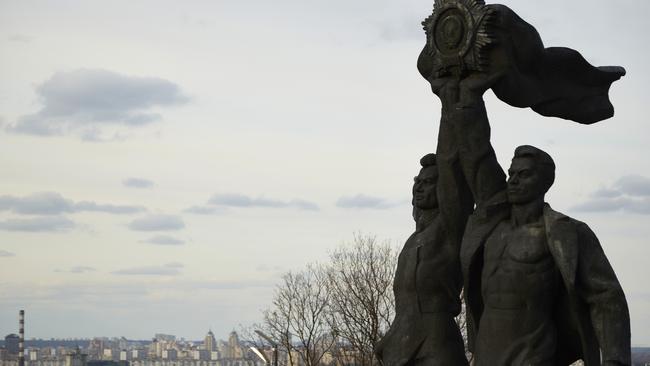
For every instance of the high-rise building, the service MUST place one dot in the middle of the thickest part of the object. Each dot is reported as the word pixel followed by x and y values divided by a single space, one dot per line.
pixel 234 348
pixel 210 343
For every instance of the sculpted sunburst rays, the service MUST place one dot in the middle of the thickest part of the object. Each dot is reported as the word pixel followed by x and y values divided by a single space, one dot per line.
pixel 458 35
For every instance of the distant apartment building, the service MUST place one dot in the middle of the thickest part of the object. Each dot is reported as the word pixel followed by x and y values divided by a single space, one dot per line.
pixel 11 344
pixel 138 354
pixel 200 355
pixel 170 354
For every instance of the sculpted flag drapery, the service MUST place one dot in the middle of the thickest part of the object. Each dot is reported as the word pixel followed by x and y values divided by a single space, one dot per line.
pixel 554 82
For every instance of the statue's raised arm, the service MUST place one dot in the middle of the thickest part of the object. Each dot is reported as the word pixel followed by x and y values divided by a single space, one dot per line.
pixel 465 130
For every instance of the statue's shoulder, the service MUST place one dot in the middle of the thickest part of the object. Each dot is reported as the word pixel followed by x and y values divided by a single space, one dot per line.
pixel 556 220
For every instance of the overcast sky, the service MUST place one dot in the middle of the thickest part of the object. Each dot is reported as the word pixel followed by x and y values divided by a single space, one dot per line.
pixel 162 163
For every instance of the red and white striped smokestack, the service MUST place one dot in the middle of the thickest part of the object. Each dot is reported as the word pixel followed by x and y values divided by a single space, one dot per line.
pixel 21 341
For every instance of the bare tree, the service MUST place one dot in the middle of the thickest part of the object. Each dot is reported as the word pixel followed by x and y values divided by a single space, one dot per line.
pixel 298 317
pixel 461 320
pixel 360 286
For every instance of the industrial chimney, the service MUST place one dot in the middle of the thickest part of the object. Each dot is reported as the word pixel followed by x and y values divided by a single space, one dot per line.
pixel 21 341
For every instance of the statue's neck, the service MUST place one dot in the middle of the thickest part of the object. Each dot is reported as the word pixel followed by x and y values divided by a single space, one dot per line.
pixel 527 213
pixel 424 218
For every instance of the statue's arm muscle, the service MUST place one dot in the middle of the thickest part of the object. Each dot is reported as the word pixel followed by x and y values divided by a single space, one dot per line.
pixel 481 169
pixel 454 196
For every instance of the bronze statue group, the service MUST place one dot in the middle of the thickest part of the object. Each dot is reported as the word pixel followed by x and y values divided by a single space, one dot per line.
pixel 538 288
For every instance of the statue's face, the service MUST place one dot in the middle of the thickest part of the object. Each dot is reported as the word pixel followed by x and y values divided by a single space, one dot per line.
pixel 424 188
pixel 525 183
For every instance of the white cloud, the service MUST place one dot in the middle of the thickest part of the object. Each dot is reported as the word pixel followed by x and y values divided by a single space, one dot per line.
pixel 83 100
pixel 4 253
pixel 157 223
pixel 38 224
pixel 243 201
pixel 365 202
pixel 629 194
pixel 205 210
pixel 138 183
pixel 78 270
pixel 164 240
pixel 51 203
pixel 169 269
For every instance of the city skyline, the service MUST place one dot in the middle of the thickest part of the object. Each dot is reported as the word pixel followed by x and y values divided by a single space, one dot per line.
pixel 162 348
pixel 163 164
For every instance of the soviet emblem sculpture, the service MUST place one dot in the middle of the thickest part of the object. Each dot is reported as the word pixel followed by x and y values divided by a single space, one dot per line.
pixel 458 35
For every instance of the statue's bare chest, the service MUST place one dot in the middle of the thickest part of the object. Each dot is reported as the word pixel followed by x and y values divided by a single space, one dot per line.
pixel 519 269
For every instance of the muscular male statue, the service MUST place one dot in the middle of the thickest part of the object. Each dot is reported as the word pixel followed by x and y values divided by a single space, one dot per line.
pixel 539 289
pixel 428 279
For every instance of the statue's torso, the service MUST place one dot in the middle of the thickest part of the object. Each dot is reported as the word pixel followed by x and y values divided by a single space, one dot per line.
pixel 428 278
pixel 519 285
pixel 427 290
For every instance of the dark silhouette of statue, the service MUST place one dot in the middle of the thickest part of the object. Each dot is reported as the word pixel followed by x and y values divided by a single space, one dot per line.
pixel 428 279
pixel 538 287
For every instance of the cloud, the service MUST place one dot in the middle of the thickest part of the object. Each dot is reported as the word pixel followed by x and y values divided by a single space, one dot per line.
pixel 624 204
pixel 169 269
pixel 634 185
pixel 137 183
pixel 112 209
pixel 364 202
pixel 157 223
pixel 606 193
pixel 38 224
pixel 205 210
pixel 45 203
pixel 85 100
pixel 20 38
pixel 231 285
pixel 51 203
pixel 77 270
pixel 4 253
pixel 164 240
pixel 629 194
pixel 243 201
pixel 304 205
pixel 137 290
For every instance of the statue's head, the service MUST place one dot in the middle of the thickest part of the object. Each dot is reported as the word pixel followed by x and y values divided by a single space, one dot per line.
pixel 425 184
pixel 531 174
